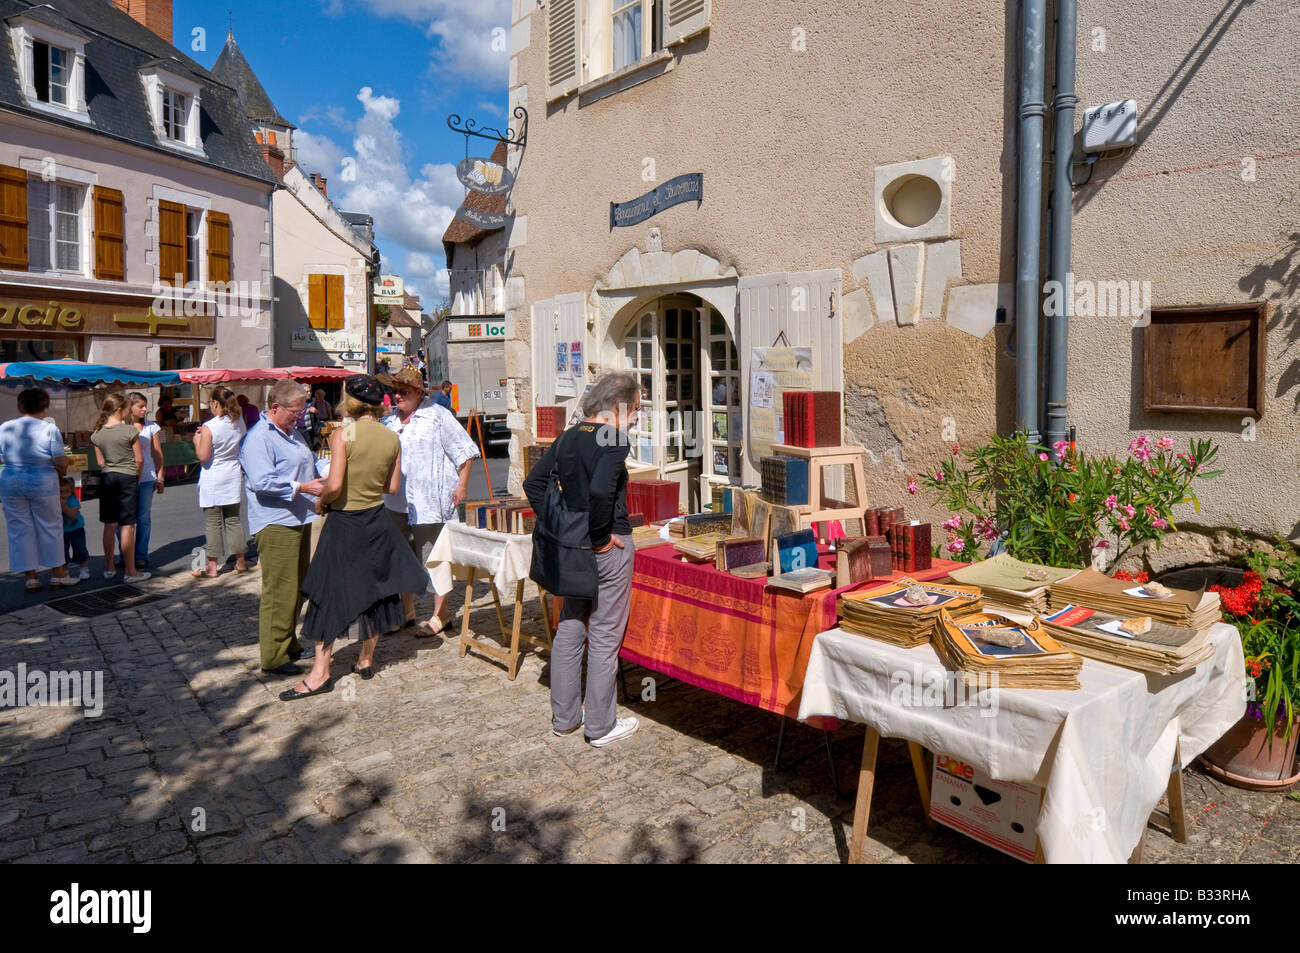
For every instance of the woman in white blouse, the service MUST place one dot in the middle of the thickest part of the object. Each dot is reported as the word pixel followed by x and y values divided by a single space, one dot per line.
pixel 436 457
pixel 221 482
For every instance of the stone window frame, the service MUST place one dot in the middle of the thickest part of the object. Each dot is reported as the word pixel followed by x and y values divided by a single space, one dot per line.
pixel 24 34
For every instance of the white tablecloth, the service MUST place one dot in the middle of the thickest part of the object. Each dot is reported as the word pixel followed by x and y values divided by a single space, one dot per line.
pixel 1103 752
pixel 459 548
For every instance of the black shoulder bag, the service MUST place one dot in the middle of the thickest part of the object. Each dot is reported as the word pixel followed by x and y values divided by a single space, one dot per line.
pixel 563 563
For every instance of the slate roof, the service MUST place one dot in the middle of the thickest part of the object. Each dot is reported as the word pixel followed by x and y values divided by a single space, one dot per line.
pixel 232 69
pixel 117 48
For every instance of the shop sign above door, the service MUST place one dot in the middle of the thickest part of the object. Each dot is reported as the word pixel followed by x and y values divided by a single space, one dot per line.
pixel 484 175
pixel 684 188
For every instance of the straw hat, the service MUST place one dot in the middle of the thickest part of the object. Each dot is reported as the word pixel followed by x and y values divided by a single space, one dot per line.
pixel 406 377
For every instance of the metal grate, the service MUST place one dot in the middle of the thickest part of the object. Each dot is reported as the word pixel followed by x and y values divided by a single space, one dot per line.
pixel 102 601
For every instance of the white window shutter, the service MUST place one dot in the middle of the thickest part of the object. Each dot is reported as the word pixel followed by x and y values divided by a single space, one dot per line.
pixel 572 310
pixel 544 338
pixel 563 48
pixel 761 304
pixel 684 19
pixel 819 326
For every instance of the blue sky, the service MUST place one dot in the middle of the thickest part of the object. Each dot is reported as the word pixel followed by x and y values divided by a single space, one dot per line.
pixel 374 81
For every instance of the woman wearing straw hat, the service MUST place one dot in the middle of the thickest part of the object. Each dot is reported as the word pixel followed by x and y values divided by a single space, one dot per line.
pixel 436 457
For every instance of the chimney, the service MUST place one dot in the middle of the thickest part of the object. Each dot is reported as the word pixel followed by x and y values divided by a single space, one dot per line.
pixel 274 157
pixel 154 14
pixel 318 180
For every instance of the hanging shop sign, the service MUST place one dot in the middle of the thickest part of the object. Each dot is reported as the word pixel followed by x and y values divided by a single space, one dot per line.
pixel 484 176
pixel 390 288
pixel 484 220
pixel 684 188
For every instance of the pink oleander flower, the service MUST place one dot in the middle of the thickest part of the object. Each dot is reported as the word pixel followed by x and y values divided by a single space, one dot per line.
pixel 1061 447
pixel 1129 511
pixel 956 449
pixel 1123 524
pixel 1159 523
pixel 911 486
pixel 1043 457
pixel 1102 544
pixel 1151 511
pixel 986 528
pixel 1165 443
pixel 938 476
pixel 1112 501
pixel 955 545
pixel 954 523
pixel 1141 448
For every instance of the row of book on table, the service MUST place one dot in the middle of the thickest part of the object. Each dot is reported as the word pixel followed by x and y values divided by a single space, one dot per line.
pixel 1031 625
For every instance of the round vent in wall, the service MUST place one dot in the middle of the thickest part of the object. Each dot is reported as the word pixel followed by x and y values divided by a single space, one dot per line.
pixel 911 200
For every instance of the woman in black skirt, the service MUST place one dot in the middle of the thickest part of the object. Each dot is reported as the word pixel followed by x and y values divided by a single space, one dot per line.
pixel 362 564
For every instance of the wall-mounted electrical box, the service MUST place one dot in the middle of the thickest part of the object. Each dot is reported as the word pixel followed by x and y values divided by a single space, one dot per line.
pixel 1111 126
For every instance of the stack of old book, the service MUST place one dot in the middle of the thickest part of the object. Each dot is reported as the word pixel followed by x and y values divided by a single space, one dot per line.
pixel 701 547
pixel 655 499
pixel 809 579
pixel 812 418
pixel 1196 610
pixel 862 559
pixel 645 535
pixel 501 516
pixel 751 515
pixel 1010 583
pixel 1138 642
pixel 785 480
pixel 697 524
pixel 909 545
pixel 905 612
pixel 550 422
pixel 878 520
pixel 990 649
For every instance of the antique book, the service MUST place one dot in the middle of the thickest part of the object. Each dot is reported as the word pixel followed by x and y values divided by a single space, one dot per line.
pixel 888 613
pixel 1163 649
pixel 785 480
pixel 657 499
pixel 812 418
pixel 910 546
pixel 992 650
pixel 700 549
pixel 533 454
pixel 550 422
pixel 862 559
pixel 1011 583
pixel 700 523
pixel 792 551
pixel 736 551
pixel 1195 609
pixel 803 580
pixel 756 571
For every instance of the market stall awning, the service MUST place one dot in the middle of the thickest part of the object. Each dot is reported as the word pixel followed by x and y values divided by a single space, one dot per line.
pixel 314 375
pixel 214 375
pixel 80 374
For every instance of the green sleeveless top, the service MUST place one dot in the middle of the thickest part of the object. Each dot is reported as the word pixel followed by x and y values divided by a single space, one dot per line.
pixel 371 449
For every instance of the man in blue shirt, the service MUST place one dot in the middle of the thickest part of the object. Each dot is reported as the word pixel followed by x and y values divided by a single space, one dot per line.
pixel 443 396
pixel 280 475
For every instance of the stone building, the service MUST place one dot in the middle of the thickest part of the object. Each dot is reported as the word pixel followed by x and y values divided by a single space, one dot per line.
pixel 859 190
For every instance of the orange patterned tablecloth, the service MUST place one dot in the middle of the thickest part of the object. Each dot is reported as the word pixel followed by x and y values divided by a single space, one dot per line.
pixel 736 637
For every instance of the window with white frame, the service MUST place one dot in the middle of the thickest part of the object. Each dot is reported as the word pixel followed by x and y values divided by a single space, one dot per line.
pixel 51 73
pixel 54 211
pixel 175 115
pixel 51 67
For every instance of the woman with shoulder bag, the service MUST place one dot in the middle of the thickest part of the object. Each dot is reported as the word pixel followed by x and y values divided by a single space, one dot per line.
pixel 582 550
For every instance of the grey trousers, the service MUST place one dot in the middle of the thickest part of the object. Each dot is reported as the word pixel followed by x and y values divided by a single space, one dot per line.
pixel 599 625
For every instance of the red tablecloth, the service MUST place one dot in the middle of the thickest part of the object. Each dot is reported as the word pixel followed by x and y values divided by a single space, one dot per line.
pixel 736 637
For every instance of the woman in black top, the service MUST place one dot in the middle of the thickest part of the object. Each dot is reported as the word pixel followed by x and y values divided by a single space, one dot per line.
pixel 589 460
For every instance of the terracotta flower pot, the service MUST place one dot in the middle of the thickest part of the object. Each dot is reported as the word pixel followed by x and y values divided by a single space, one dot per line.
pixel 1243 758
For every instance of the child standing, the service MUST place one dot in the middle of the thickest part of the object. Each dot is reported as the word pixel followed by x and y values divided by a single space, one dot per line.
pixel 74 528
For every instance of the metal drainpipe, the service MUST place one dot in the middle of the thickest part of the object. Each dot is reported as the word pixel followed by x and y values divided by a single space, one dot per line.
pixel 1029 213
pixel 1058 325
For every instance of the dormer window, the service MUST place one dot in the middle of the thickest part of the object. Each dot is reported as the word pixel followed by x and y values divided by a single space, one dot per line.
pixel 175 116
pixel 51 64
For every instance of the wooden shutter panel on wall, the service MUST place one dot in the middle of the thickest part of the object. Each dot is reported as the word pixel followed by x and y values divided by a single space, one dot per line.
pixel 563 49
pixel 334 302
pixel 684 19
pixel 110 235
pixel 317 313
pixel 171 242
pixel 219 250
pixel 13 218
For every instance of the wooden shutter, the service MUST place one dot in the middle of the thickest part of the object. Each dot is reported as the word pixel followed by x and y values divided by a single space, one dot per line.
pixel 563 49
pixel 317 306
pixel 334 302
pixel 769 305
pixel 13 218
pixel 219 250
pixel 684 19
pixel 171 241
pixel 110 235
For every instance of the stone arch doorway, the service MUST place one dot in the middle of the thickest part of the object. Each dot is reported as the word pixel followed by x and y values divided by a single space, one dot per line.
pixel 682 349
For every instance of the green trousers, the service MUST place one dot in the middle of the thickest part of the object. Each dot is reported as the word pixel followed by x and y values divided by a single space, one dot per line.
pixel 283 553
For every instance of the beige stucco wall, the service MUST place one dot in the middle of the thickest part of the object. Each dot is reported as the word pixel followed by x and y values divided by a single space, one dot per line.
pixel 310 239
pixel 1214 84
pixel 788 142
pixel 241 340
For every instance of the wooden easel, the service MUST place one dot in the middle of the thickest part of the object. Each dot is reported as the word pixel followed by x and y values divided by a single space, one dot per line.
pixel 510 655
pixel 1176 815
pixel 818 508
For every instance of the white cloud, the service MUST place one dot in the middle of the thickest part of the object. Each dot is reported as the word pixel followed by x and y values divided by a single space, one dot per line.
pixel 317 153
pixel 472 38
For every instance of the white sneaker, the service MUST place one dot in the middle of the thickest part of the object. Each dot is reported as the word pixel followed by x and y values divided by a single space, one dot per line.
pixel 111 574
pixel 140 578
pixel 622 728
pixel 85 573
pixel 66 581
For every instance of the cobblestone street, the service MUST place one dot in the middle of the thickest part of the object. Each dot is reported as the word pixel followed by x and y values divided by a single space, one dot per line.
pixel 442 759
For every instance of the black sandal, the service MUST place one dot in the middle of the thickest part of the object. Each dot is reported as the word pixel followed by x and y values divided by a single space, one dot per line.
pixel 293 694
pixel 367 673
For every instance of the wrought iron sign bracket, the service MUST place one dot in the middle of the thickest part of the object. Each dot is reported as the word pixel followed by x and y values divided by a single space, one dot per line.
pixel 511 137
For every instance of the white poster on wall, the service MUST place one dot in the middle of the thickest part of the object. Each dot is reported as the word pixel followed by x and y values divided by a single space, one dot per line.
pixel 772 372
